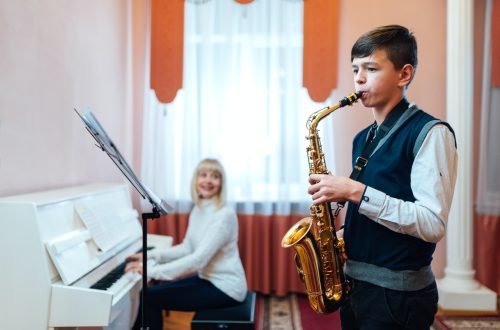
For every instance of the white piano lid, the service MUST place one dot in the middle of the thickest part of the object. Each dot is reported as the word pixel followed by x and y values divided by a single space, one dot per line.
pixel 68 241
pixel 102 224
pixel 76 254
pixel 63 194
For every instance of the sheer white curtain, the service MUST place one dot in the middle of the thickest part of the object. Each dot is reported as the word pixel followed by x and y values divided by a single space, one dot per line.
pixel 488 197
pixel 242 102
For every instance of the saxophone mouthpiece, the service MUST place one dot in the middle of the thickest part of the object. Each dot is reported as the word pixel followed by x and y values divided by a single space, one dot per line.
pixel 350 99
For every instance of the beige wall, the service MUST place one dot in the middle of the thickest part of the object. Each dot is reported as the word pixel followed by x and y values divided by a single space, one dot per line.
pixel 54 56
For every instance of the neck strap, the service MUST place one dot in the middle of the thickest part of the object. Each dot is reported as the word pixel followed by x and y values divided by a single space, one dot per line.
pixel 375 135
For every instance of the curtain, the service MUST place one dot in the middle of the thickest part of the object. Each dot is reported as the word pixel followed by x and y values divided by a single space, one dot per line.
pixel 487 226
pixel 242 102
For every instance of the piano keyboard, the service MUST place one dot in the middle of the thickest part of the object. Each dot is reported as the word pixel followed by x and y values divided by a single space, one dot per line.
pixel 109 279
pixel 116 279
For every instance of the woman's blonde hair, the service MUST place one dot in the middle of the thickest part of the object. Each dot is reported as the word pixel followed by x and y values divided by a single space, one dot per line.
pixel 212 165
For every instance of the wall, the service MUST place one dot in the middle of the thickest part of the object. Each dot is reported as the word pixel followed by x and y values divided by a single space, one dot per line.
pixel 56 56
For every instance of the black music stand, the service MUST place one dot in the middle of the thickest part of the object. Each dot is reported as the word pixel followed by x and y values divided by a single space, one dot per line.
pixel 158 206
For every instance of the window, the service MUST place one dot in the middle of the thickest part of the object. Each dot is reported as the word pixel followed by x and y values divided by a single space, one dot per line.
pixel 242 102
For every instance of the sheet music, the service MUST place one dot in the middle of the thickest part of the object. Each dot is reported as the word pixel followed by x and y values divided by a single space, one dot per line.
pixel 103 230
pixel 106 144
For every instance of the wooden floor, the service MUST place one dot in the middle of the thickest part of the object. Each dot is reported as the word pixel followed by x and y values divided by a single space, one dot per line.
pixel 177 320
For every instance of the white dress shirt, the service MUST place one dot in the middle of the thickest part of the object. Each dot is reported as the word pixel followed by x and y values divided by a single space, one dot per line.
pixel 433 177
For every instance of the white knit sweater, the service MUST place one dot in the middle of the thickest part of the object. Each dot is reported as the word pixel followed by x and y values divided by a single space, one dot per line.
pixel 210 248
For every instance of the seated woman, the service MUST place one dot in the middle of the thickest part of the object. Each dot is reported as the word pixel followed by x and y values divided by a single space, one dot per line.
pixel 205 270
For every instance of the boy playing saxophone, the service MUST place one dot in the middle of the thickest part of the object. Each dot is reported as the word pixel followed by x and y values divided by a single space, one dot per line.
pixel 406 164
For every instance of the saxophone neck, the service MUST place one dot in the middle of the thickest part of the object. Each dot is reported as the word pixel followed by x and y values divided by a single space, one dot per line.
pixel 317 116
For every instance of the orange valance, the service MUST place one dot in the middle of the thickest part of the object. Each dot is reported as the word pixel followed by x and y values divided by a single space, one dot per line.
pixel 167 48
pixel 319 54
pixel 320 47
pixel 495 44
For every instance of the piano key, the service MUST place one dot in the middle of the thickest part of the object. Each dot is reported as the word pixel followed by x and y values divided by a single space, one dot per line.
pixel 110 278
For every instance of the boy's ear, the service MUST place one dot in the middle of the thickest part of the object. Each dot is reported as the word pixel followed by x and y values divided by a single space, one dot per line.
pixel 406 75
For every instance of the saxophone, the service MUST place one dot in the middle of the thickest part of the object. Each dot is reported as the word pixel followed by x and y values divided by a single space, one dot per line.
pixel 320 255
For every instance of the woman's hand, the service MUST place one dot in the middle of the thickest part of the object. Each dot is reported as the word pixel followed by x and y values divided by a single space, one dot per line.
pixel 134 266
pixel 135 263
pixel 135 257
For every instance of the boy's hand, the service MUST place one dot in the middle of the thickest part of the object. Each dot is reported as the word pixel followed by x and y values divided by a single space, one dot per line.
pixel 329 188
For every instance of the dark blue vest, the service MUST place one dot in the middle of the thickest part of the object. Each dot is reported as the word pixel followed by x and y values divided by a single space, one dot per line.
pixel 388 170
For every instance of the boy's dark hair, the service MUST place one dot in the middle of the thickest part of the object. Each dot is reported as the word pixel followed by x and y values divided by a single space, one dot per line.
pixel 397 41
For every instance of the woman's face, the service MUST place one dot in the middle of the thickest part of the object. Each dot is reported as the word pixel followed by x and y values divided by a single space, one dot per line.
pixel 208 184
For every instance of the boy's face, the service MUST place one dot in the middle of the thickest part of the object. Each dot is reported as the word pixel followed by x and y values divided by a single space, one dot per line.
pixel 378 79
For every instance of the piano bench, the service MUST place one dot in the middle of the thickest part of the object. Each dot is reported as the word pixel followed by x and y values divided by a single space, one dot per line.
pixel 238 317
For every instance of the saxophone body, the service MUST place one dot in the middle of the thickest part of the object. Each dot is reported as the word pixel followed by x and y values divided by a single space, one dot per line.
pixel 320 255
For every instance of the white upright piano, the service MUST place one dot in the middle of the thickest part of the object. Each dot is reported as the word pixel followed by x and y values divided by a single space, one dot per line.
pixel 62 259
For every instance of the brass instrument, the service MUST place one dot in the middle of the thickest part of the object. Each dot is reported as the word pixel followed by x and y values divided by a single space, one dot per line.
pixel 320 255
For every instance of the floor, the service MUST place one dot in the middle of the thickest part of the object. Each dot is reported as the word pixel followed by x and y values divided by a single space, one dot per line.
pixel 182 320
pixel 178 320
